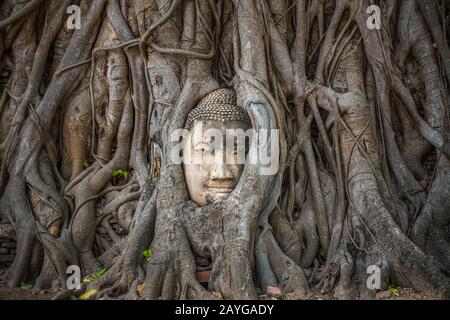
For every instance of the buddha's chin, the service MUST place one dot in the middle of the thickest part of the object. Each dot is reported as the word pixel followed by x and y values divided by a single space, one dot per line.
pixel 222 195
pixel 219 195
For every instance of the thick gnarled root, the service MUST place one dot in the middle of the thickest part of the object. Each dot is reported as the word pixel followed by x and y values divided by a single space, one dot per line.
pixel 171 273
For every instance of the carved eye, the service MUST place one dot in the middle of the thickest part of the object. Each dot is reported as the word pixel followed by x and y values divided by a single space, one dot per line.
pixel 203 147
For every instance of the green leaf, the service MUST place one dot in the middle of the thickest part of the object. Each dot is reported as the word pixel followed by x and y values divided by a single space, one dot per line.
pixel 394 291
pixel 217 294
pixel 86 295
pixel 99 273
pixel 95 275
pixel 147 254
pixel 25 285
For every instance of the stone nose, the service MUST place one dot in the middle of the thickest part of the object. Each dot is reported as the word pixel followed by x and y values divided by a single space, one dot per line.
pixel 221 171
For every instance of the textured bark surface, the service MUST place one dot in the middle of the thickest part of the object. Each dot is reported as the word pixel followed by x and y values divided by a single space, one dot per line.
pixel 86 124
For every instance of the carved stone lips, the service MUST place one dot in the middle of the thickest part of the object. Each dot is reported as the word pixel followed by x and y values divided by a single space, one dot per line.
pixel 221 189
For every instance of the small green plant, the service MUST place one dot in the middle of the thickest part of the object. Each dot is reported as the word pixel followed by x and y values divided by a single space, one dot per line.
pixel 147 254
pixel 119 173
pixel 26 285
pixel 95 275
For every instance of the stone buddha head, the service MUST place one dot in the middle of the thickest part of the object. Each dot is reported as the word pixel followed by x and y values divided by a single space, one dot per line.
pixel 212 155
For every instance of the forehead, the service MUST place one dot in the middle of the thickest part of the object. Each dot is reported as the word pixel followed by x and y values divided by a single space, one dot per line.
pixel 211 125
pixel 220 125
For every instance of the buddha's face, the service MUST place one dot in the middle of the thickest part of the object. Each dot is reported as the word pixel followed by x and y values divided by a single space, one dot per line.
pixel 212 167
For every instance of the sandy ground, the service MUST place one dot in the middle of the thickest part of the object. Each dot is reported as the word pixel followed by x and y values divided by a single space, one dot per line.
pixel 392 294
pixel 7 293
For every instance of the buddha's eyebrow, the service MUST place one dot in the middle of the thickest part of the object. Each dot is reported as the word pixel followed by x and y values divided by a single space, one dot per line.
pixel 208 139
pixel 203 140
